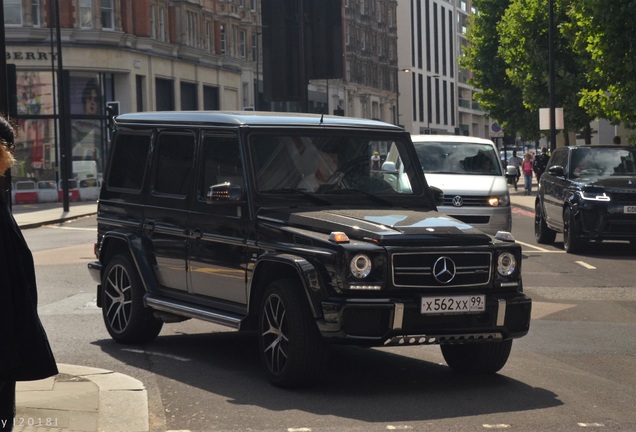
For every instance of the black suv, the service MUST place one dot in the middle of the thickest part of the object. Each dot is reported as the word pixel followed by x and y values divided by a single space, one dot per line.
pixel 280 224
pixel 587 193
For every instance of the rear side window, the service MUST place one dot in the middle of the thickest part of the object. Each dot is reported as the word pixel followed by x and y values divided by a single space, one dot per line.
pixel 128 163
pixel 175 159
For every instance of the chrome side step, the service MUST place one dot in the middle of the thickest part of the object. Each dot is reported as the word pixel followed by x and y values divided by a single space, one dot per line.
pixel 193 311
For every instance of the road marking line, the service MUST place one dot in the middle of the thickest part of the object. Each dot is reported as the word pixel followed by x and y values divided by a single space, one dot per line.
pixel 586 265
pixel 591 424
pixel 496 426
pixel 539 249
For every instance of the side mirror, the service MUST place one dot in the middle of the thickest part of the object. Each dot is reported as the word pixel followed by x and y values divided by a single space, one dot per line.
pixel 557 171
pixel 224 192
pixel 438 195
pixel 389 167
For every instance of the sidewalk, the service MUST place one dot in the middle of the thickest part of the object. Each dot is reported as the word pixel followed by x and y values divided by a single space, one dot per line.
pixel 89 399
pixel 82 399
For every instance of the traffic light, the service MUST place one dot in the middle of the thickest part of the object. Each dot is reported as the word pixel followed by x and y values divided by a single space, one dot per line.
pixel 112 110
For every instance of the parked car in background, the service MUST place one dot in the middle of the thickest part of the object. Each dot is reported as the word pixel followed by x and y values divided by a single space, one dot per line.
pixel 469 172
pixel 588 193
pixel 281 224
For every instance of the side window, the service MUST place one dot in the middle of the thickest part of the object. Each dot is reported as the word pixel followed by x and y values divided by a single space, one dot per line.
pixel 221 163
pixel 175 158
pixel 128 164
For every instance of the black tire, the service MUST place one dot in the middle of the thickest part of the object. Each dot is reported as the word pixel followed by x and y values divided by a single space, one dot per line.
pixel 126 318
pixel 477 358
pixel 571 242
pixel 542 233
pixel 291 347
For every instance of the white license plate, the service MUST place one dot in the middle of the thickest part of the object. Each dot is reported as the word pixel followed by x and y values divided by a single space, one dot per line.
pixel 453 304
pixel 629 209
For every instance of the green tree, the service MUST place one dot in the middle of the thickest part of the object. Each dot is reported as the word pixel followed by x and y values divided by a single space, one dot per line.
pixel 524 46
pixel 499 97
pixel 602 34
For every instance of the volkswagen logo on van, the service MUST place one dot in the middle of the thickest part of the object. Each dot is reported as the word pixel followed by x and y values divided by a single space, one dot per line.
pixel 458 201
pixel 444 270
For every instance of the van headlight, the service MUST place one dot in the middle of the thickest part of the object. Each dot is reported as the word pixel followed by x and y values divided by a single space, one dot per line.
pixel 499 200
pixel 360 266
pixel 506 264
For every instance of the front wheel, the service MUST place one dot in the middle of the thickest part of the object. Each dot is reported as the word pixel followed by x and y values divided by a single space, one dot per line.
pixel 291 347
pixel 477 358
pixel 127 319
pixel 542 233
pixel 572 243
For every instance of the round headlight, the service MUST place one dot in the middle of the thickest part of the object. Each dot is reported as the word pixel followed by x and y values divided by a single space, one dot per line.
pixel 506 264
pixel 360 266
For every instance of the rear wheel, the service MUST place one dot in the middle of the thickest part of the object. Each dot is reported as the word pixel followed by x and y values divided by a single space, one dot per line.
pixel 477 358
pixel 542 233
pixel 291 347
pixel 571 242
pixel 127 319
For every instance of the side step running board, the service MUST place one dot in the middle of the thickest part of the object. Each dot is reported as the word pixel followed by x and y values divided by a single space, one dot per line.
pixel 193 311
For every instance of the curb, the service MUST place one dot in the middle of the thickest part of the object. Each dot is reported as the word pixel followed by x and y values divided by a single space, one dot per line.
pixel 81 398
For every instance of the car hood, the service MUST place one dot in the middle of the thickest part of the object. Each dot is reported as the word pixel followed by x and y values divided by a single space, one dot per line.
pixel 464 184
pixel 382 226
pixel 614 182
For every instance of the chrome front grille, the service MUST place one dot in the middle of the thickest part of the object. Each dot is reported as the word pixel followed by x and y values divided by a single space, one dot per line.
pixel 434 269
pixel 466 200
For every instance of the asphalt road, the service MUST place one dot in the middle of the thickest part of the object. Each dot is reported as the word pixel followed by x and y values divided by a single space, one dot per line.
pixel 574 371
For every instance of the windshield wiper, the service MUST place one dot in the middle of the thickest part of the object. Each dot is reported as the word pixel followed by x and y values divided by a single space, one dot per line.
pixel 312 197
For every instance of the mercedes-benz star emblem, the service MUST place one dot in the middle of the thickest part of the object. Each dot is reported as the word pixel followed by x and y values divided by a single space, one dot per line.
pixel 444 270
pixel 458 201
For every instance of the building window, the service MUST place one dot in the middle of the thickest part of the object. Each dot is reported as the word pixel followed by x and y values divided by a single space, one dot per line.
pixel 189 100
pixel 13 12
pixel 253 5
pixel 193 30
pixel 107 15
pixel 162 24
pixel 35 13
pixel 223 40
pixel 85 14
pixel 255 47
pixel 208 36
pixel 153 30
pixel 243 44
pixel 211 98
pixel 164 94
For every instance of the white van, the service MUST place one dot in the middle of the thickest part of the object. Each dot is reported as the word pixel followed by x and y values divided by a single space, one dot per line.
pixel 469 172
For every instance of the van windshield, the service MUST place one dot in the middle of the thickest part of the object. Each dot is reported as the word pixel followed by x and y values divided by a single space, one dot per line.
pixel 458 158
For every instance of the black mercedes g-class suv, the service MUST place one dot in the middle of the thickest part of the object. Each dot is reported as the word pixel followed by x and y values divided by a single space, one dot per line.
pixel 281 224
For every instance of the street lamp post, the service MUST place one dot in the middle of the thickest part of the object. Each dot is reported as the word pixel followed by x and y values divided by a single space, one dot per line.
pixel 551 72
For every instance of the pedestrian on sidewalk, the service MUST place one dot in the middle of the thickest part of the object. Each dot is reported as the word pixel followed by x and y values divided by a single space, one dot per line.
pixel 25 353
pixel 526 168
pixel 540 163
pixel 515 161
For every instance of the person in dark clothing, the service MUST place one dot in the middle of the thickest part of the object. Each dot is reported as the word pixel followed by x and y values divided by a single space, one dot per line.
pixel 25 353
pixel 540 163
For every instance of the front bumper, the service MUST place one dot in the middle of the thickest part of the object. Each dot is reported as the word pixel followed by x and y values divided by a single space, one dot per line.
pixel 376 322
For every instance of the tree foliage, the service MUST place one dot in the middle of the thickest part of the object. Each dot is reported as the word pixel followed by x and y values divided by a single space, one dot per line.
pixel 602 33
pixel 595 61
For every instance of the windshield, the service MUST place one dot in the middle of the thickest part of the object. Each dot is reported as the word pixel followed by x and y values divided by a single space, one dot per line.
pixel 458 158
pixel 603 162
pixel 328 163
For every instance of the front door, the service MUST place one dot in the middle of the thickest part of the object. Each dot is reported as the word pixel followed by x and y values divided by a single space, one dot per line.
pixel 218 251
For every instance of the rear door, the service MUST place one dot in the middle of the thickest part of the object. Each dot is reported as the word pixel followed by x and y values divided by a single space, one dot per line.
pixel 218 252
pixel 166 217
pixel 553 189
